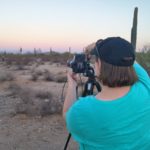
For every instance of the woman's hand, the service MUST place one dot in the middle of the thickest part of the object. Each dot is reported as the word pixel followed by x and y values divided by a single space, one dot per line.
pixel 71 92
pixel 72 79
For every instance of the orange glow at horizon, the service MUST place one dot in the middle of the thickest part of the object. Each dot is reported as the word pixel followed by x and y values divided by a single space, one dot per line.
pixel 39 37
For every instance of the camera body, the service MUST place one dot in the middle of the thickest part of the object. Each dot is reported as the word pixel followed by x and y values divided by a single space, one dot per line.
pixel 81 64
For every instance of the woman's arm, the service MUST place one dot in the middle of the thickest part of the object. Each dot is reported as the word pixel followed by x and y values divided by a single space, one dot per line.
pixel 143 76
pixel 141 73
pixel 71 93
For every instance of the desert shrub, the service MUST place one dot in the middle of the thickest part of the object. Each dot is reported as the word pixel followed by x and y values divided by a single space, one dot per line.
pixel 13 87
pixel 39 58
pixel 35 102
pixel 50 63
pixel 44 95
pixel 8 62
pixel 50 107
pixel 26 95
pixel 39 72
pixel 20 67
pixel 6 76
pixel 61 78
pixel 48 76
pixel 144 59
pixel 34 76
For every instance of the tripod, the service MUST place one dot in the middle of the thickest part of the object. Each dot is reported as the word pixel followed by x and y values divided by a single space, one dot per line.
pixel 88 90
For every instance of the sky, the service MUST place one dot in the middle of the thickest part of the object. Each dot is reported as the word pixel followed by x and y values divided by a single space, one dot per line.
pixel 60 24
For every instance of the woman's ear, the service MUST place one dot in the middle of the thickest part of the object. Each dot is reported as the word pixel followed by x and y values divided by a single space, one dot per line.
pixel 99 63
pixel 97 67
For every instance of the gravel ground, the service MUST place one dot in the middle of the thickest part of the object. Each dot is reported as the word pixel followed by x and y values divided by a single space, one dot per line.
pixel 21 132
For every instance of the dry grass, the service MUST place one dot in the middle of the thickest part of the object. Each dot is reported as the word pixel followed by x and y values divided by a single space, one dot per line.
pixel 48 76
pixel 35 102
pixel 6 76
pixel 43 95
pixel 60 78
pixel 39 72
pixel 34 76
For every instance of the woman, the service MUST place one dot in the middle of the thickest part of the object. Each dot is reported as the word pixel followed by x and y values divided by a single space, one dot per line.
pixel 117 118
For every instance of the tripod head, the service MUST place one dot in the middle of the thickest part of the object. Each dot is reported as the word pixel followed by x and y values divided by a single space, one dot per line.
pixel 89 86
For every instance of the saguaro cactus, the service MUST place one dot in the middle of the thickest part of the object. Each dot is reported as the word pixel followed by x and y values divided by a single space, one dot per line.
pixel 134 28
pixel 69 50
pixel 50 51
pixel 20 50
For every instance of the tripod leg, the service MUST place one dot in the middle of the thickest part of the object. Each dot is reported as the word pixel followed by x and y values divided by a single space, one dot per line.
pixel 85 90
pixel 98 86
pixel 88 89
pixel 69 136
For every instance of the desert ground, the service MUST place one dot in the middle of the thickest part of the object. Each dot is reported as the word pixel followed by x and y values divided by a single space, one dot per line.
pixel 31 105
pixel 31 100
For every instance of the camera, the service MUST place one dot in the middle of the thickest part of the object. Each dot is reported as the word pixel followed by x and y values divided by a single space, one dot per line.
pixel 81 64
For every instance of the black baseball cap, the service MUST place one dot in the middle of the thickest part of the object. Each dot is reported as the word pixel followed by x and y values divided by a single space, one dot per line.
pixel 114 50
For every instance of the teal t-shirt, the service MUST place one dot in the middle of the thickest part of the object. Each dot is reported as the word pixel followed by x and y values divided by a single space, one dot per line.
pixel 121 124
